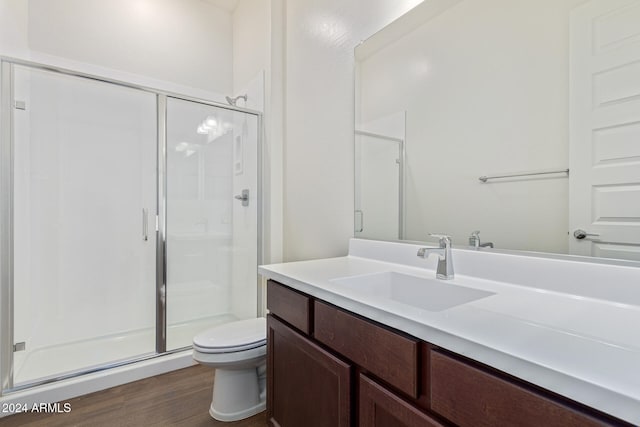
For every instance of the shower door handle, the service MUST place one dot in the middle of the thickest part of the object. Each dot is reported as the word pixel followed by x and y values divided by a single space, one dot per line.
pixel 361 228
pixel 145 224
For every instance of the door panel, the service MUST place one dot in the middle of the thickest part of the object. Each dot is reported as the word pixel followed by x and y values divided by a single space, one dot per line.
pixel 211 234
pixel 84 173
pixel 604 185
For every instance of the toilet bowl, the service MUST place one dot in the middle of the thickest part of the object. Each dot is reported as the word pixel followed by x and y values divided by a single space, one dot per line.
pixel 238 352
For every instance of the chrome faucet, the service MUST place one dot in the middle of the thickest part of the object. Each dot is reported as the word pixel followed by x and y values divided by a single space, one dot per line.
pixel 445 263
pixel 474 241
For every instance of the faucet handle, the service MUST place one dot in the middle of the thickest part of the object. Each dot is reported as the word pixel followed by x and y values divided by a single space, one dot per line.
pixel 474 239
pixel 445 240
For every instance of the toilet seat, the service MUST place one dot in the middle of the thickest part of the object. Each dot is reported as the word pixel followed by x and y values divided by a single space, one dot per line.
pixel 232 337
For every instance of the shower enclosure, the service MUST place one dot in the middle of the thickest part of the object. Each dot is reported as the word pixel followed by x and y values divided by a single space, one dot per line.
pixel 129 222
pixel 379 186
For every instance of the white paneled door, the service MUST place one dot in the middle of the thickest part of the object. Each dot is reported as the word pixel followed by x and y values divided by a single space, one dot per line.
pixel 604 186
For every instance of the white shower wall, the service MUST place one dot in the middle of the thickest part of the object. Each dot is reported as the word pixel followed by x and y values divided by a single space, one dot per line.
pixel 211 236
pixel 199 224
pixel 244 258
pixel 199 231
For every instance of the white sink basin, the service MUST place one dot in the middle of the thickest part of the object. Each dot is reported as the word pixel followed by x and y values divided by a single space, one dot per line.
pixel 420 292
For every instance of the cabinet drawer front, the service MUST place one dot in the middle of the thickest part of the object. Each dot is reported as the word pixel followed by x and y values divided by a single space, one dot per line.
pixel 381 408
pixel 289 305
pixel 469 396
pixel 389 356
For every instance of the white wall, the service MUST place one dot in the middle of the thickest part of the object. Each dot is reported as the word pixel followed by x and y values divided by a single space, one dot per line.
pixel 250 41
pixel 177 45
pixel 181 41
pixel 253 75
pixel 14 16
pixel 479 103
pixel 319 104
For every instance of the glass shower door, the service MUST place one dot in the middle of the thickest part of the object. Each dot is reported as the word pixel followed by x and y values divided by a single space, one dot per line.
pixel 212 218
pixel 84 208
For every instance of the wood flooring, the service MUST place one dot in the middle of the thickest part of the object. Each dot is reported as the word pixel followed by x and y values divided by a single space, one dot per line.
pixel 179 398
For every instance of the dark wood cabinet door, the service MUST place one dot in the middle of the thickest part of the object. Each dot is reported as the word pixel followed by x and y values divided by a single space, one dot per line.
pixel 381 408
pixel 307 386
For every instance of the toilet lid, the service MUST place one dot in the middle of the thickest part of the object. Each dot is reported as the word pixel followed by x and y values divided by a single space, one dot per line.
pixel 234 336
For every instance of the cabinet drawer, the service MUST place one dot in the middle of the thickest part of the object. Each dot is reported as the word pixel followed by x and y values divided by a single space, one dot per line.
pixel 381 408
pixel 387 355
pixel 289 305
pixel 469 396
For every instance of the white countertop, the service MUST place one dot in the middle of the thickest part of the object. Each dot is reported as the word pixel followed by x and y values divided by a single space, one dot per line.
pixel 567 337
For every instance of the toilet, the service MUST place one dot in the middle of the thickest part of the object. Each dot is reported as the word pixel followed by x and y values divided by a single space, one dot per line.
pixel 238 352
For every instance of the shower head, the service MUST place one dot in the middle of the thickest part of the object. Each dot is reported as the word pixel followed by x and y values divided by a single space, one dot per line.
pixel 234 101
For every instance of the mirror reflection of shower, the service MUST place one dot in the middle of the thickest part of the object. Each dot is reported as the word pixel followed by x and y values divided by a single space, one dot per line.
pixel 234 101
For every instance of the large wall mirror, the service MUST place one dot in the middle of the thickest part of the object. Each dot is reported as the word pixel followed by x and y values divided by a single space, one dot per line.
pixel 519 119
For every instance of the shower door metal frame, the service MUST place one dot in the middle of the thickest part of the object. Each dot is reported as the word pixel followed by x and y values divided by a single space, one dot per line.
pixel 7 204
pixel 161 228
pixel 6 226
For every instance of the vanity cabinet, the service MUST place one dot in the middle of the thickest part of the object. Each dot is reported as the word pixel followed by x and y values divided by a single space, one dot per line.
pixel 329 367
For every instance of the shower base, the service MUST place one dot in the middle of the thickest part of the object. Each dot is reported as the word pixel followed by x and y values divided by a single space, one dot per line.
pixel 50 363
